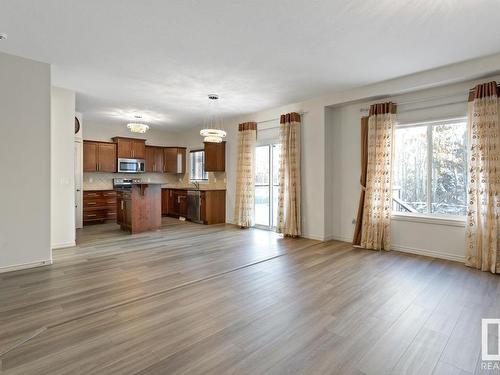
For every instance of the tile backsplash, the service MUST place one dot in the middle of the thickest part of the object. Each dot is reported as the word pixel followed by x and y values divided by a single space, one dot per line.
pixel 104 181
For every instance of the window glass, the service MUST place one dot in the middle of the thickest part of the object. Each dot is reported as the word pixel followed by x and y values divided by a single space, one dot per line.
pixel 449 169
pixel 197 166
pixel 439 187
pixel 410 172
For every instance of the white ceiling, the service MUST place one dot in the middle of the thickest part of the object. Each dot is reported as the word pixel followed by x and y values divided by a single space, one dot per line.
pixel 161 58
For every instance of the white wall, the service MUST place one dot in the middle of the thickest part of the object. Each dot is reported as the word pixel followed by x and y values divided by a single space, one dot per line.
pixel 104 131
pixel 330 154
pixel 312 162
pixel 62 168
pixel 25 150
pixel 441 239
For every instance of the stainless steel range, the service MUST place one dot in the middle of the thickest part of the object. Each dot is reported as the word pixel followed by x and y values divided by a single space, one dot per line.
pixel 125 183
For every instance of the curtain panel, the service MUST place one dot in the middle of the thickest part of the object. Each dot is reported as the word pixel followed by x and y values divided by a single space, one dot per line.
pixel 376 219
pixel 289 176
pixel 483 222
pixel 362 181
pixel 245 175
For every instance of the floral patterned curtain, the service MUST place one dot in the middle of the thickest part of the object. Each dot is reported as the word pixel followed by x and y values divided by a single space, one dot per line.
pixel 289 176
pixel 245 175
pixel 376 224
pixel 483 223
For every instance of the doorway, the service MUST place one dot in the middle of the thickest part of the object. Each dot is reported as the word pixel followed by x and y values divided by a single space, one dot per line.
pixel 267 161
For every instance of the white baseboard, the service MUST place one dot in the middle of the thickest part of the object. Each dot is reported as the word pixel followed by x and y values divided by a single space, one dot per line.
pixel 23 266
pixel 63 245
pixel 338 238
pixel 429 253
pixel 313 237
pixel 411 250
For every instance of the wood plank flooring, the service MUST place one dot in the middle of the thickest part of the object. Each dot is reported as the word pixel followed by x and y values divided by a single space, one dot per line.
pixel 193 299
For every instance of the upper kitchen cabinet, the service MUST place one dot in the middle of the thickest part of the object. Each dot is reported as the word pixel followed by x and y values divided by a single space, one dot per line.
pixel 154 159
pixel 131 148
pixel 215 157
pixel 99 156
pixel 174 159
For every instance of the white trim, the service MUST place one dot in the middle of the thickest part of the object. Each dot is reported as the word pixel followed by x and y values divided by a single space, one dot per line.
pixel 411 250
pixel 63 245
pixel 429 253
pixel 451 120
pixel 450 221
pixel 338 238
pixel 23 266
pixel 316 237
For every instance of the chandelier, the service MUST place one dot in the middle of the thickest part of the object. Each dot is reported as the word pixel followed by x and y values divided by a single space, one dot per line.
pixel 213 132
pixel 136 127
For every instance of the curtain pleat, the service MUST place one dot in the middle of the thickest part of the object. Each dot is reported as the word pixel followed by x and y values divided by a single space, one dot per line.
pixel 483 222
pixel 289 176
pixel 362 181
pixel 376 222
pixel 245 175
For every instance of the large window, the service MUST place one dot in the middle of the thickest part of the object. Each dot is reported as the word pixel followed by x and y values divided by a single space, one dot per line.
pixel 430 168
pixel 197 166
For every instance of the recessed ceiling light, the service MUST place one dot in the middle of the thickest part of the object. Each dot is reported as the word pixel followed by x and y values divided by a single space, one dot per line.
pixel 3 36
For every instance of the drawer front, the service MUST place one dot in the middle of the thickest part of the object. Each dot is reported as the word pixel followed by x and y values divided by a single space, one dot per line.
pixel 93 203
pixel 92 194
pixel 93 215
pixel 109 193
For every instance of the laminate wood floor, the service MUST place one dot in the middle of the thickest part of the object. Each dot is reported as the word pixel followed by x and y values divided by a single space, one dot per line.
pixel 193 299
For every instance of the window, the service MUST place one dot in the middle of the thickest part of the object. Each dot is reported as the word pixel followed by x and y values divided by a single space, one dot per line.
pixel 430 168
pixel 267 160
pixel 197 166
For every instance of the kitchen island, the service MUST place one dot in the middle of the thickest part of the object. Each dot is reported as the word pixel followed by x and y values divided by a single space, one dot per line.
pixel 139 207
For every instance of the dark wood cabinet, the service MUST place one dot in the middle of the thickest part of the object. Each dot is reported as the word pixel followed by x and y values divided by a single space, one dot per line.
pixel 124 209
pixel 174 159
pixel 130 148
pixel 165 201
pixel 139 210
pixel 212 204
pixel 215 157
pixel 99 156
pixel 154 159
pixel 99 206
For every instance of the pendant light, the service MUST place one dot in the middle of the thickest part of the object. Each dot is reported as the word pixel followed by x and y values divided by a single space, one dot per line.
pixel 213 132
pixel 137 127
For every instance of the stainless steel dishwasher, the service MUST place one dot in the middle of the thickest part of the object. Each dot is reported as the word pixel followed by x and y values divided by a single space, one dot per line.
pixel 194 206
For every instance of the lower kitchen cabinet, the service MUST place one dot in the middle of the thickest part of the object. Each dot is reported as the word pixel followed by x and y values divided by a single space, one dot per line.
pixel 212 204
pixel 99 206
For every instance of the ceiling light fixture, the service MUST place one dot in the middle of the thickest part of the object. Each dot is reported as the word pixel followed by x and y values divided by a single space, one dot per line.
pixel 213 131
pixel 137 127
pixel 3 36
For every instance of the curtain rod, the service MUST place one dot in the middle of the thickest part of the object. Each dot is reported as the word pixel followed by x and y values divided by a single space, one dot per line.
pixel 277 118
pixel 428 99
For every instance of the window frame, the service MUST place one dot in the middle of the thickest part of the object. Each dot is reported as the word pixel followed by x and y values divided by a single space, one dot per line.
pixel 191 179
pixel 430 218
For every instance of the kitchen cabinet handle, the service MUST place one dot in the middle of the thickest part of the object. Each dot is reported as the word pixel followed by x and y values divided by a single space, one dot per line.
pixel 122 205
pixel 92 203
pixel 91 215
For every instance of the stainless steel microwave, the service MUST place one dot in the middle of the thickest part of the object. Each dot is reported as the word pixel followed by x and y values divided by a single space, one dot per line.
pixel 131 165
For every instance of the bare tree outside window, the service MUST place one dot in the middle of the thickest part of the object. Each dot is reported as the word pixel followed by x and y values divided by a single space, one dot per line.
pixel 430 168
